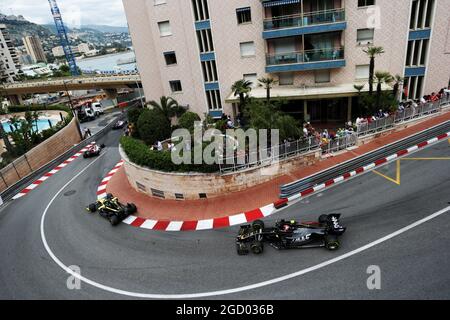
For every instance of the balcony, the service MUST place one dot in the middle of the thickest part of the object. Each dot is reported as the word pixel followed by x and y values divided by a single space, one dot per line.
pixel 306 60
pixel 307 23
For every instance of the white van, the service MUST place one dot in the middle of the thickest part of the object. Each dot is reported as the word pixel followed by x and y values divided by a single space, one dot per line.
pixel 98 109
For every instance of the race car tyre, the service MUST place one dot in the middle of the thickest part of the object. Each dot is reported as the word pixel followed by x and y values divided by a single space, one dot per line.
pixel 257 247
pixel 332 243
pixel 114 220
pixel 242 249
pixel 92 207
pixel 132 208
pixel 258 225
pixel 103 146
pixel 86 155
pixel 323 218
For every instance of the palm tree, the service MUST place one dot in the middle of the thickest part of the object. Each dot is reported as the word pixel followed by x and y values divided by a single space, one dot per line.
pixel 372 52
pixel 382 77
pixel 398 80
pixel 3 134
pixel 267 83
pixel 242 88
pixel 168 107
pixel 359 88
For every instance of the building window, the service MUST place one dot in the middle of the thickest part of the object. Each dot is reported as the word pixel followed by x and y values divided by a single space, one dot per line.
pixel 365 36
pixel 421 14
pixel 244 15
pixel 214 100
pixel 417 52
pixel 286 79
pixel 362 71
pixel 252 77
pixel 201 10
pixel 247 49
pixel 366 3
pixel 158 2
pixel 170 57
pixel 209 69
pixel 205 42
pixel 164 28
pixel 413 87
pixel 175 86
pixel 322 76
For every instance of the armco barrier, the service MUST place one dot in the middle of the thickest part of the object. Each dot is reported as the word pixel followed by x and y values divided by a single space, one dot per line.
pixel 311 182
pixel 9 193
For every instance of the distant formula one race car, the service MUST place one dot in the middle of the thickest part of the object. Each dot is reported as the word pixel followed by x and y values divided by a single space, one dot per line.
pixel 291 235
pixel 119 125
pixel 93 151
pixel 111 209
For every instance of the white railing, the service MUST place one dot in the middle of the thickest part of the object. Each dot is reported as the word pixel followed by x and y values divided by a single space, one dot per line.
pixel 408 114
pixel 269 156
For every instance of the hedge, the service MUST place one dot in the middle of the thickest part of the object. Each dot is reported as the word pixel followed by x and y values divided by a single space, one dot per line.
pixel 139 153
pixel 36 107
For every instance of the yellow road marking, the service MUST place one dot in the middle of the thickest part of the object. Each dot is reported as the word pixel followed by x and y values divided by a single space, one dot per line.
pixel 397 179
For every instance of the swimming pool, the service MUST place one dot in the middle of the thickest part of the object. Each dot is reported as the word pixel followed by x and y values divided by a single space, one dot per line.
pixel 42 124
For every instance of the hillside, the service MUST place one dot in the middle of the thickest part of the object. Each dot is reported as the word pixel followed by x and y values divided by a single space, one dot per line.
pixel 18 28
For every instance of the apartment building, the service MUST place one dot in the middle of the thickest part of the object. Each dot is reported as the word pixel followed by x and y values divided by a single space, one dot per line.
pixel 194 50
pixel 33 45
pixel 9 61
pixel 79 49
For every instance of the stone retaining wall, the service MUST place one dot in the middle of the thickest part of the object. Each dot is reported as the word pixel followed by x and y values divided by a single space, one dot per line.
pixel 42 154
pixel 192 186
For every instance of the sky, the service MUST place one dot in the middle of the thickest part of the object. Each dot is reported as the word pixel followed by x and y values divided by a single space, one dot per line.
pixel 74 12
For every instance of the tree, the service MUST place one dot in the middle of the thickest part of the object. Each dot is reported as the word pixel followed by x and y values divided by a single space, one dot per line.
pixel 398 80
pixel 3 134
pixel 188 120
pixel 288 126
pixel 242 88
pixel 168 107
pixel 372 52
pixel 153 126
pixel 267 83
pixel 134 114
pixel 382 77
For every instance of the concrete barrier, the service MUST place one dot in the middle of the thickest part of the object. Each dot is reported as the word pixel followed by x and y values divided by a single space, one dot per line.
pixel 40 155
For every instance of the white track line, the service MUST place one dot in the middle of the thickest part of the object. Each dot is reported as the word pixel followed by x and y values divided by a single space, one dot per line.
pixel 221 292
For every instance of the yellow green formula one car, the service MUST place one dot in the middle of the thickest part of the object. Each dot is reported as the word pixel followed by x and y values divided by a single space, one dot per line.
pixel 111 209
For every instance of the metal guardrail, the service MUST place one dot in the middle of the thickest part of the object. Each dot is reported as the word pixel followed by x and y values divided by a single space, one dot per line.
pixel 267 157
pixel 324 176
pixel 408 114
pixel 14 189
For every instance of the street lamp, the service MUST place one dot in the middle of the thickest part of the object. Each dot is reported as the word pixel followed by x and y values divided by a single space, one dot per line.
pixel 73 109
pixel 139 88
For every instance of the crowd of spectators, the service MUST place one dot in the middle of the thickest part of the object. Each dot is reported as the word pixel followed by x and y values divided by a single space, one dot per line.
pixel 409 105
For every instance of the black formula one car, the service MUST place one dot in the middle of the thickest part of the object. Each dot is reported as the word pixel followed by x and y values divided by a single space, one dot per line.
pixel 291 235
pixel 119 125
pixel 110 208
pixel 93 151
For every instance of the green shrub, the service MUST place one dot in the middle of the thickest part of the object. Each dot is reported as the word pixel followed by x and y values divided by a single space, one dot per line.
pixel 188 120
pixel 134 114
pixel 152 126
pixel 139 153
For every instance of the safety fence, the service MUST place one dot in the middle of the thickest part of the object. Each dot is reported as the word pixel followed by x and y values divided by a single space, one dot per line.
pixel 401 116
pixel 269 156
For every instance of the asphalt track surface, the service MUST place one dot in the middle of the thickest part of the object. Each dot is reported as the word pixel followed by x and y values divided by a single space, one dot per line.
pixel 413 264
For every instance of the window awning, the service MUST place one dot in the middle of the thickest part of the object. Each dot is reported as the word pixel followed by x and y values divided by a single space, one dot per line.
pixel 279 3
pixel 243 9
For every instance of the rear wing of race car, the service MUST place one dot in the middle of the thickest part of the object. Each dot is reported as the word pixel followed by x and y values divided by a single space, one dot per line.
pixel 334 224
